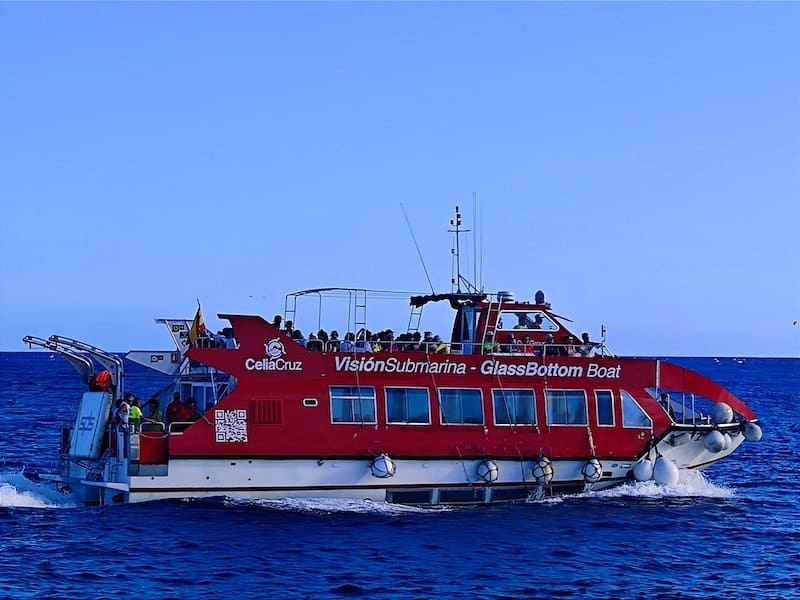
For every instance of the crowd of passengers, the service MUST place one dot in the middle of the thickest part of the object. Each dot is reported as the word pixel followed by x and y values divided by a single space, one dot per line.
pixel 385 341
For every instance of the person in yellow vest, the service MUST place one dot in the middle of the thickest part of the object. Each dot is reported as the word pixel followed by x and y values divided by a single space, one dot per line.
pixel 440 346
pixel 135 415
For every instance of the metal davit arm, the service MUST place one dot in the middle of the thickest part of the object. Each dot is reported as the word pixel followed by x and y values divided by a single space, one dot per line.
pixel 109 361
pixel 81 364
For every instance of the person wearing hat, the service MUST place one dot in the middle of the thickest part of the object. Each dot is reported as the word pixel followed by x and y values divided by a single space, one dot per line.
pixel 537 321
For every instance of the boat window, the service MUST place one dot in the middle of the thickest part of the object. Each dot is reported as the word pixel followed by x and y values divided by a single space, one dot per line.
pixel 605 407
pixel 352 404
pixel 632 414
pixel 408 405
pixel 461 406
pixel 514 407
pixel 566 407
pixel 531 320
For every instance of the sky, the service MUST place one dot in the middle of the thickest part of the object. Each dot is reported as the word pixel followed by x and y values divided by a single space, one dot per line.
pixel 639 162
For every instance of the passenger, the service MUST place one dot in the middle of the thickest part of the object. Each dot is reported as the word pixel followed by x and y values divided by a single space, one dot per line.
pixel 276 322
pixel 314 344
pixel 297 336
pixel 334 343
pixel 322 336
pixel 523 321
pixel 348 343
pixel 427 342
pixel 509 346
pixel 550 349
pixel 375 343
pixel 527 345
pixel 666 404
pixel 174 408
pixel 570 349
pixel 230 339
pixel 587 348
pixel 153 418
pixel 362 340
pixel 135 415
pixel 189 410
pixel 489 345
pixel 387 341
pixel 121 414
pixel 416 342
pixel 219 339
pixel 537 321
pixel 441 347
pixel 289 328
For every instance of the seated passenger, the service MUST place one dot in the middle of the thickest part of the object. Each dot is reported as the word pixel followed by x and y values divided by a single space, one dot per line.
pixel 527 345
pixel 314 344
pixel 441 347
pixel 537 321
pixel 334 342
pixel 428 344
pixel 489 345
pixel 348 343
pixel 362 340
pixel 297 336
pixel 550 348
pixel 510 344
pixel 569 346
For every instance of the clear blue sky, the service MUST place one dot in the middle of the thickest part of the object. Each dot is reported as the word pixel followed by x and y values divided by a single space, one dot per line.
pixel 640 162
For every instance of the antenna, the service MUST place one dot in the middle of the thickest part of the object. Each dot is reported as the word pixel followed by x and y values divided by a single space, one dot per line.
pixel 475 238
pixel 458 279
pixel 456 222
pixel 416 245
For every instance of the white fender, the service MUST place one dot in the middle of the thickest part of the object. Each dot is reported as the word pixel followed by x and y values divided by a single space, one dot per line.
pixel 714 442
pixel 665 472
pixel 752 432
pixel 543 471
pixel 643 470
pixel 721 413
pixel 488 470
pixel 383 467
pixel 592 471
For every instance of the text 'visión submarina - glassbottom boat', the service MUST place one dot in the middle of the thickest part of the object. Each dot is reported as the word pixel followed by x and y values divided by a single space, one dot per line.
pixel 513 406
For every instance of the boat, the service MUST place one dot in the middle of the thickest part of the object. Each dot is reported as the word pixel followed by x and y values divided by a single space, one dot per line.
pixel 512 405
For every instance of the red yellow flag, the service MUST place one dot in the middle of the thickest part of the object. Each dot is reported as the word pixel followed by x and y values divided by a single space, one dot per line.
pixel 198 327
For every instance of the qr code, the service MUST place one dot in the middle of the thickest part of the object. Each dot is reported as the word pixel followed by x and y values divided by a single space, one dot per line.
pixel 230 425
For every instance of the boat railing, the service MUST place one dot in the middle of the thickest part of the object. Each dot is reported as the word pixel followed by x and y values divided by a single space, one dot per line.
pixel 393 346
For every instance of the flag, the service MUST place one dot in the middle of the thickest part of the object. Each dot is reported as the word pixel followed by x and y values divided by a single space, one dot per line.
pixel 198 327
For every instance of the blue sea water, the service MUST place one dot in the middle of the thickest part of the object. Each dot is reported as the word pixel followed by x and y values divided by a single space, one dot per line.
pixel 733 532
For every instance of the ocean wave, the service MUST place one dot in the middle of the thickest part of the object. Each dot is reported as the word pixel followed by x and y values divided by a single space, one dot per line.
pixel 17 491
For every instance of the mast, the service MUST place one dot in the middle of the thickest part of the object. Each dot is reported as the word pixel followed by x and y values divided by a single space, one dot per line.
pixel 456 281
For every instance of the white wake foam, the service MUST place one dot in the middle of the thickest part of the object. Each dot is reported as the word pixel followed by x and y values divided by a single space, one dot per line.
pixel 334 505
pixel 691 484
pixel 16 491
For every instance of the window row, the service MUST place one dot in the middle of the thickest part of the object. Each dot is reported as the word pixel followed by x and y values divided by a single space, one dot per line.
pixel 411 406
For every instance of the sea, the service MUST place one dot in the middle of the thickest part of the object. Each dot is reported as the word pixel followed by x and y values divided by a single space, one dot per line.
pixel 731 532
